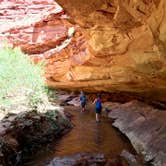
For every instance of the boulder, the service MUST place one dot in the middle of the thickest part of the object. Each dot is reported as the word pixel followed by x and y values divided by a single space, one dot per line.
pixel 23 134
pixel 79 159
pixel 145 127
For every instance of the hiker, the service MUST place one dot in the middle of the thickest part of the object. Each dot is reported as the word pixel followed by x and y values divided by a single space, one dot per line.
pixel 98 106
pixel 83 101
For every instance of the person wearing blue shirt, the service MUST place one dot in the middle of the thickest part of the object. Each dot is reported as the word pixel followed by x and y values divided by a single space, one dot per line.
pixel 83 101
pixel 98 106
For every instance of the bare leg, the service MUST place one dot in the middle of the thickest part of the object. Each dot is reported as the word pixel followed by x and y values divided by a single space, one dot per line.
pixel 97 117
pixel 83 108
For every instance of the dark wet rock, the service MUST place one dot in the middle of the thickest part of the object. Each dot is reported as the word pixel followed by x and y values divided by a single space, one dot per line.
pixel 145 127
pixel 75 102
pixel 88 159
pixel 23 134
pixel 130 158
pixel 66 99
pixel 117 161
pixel 81 159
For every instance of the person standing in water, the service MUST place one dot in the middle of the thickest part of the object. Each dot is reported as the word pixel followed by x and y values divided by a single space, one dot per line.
pixel 83 101
pixel 98 106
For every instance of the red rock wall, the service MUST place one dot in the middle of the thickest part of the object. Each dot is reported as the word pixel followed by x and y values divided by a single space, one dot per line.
pixel 118 45
pixel 127 41
pixel 35 26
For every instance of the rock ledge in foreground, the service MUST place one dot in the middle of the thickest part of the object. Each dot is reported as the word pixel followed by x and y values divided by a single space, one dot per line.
pixel 24 133
pixel 145 127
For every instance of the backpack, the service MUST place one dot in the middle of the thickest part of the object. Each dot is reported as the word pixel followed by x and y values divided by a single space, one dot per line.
pixel 98 104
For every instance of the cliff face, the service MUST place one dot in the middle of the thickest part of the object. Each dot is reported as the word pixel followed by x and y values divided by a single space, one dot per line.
pixel 118 45
pixel 127 42
pixel 42 30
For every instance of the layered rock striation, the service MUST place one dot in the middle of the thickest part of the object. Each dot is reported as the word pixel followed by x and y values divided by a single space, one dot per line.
pixel 118 45
pixel 127 44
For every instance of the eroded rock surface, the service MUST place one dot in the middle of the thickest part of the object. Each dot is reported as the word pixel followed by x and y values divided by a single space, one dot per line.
pixel 42 30
pixel 127 44
pixel 119 46
pixel 23 134
pixel 145 127
pixel 79 159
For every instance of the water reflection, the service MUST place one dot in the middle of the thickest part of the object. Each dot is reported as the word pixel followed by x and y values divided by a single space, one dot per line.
pixel 97 135
pixel 86 136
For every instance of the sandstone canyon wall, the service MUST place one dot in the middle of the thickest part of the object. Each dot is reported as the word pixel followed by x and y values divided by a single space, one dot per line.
pixel 118 45
pixel 127 42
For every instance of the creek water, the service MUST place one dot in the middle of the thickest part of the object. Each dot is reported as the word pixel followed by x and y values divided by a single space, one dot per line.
pixel 86 136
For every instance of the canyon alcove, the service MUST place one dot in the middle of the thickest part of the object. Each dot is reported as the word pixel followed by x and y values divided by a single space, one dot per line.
pixel 113 47
pixel 124 49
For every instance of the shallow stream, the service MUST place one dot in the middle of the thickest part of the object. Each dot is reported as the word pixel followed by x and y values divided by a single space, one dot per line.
pixel 86 136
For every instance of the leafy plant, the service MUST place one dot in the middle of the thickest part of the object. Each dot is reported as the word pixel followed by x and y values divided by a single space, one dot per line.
pixel 20 79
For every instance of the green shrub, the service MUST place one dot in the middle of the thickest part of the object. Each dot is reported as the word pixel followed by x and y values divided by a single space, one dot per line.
pixel 20 79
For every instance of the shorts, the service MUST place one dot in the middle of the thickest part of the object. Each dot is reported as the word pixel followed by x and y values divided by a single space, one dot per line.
pixel 83 104
pixel 98 110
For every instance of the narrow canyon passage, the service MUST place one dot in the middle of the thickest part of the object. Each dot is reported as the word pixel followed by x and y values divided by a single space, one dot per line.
pixel 114 47
pixel 86 136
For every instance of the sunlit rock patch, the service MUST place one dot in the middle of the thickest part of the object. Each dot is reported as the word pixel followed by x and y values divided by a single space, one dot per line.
pixel 127 46
pixel 118 45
